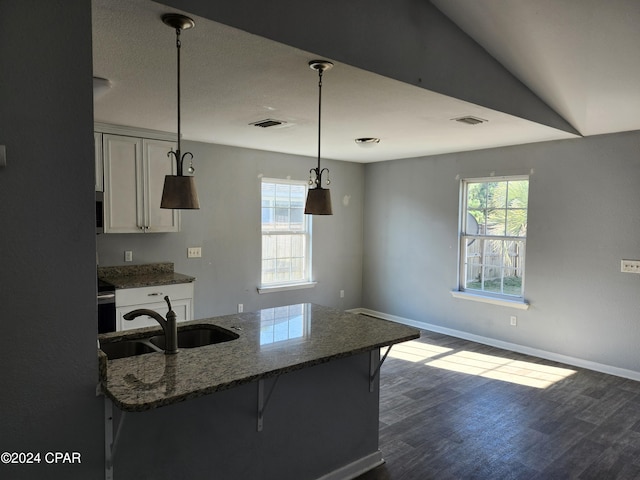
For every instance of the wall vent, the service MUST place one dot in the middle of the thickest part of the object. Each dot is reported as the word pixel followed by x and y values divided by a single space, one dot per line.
pixel 269 122
pixel 469 120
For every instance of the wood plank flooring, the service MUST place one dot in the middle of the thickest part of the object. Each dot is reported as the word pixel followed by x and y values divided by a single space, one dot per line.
pixel 444 415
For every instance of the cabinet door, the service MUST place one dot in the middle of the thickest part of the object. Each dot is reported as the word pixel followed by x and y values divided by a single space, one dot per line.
pixel 123 193
pixel 97 143
pixel 157 164
pixel 152 298
pixel 181 307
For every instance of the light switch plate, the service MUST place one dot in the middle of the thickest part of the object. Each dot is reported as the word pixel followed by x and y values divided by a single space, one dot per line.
pixel 194 252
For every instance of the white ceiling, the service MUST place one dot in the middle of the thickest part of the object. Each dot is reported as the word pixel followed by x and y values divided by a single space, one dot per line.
pixel 231 78
pixel 582 57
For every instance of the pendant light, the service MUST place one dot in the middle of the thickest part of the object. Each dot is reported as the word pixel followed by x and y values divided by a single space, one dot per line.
pixel 319 198
pixel 179 190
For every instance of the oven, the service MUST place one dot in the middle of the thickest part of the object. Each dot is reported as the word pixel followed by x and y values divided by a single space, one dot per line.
pixel 99 212
pixel 106 307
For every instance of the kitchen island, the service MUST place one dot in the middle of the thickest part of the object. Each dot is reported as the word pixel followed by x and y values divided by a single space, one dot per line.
pixel 295 395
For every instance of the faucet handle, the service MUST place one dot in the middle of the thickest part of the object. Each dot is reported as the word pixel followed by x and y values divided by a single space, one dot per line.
pixel 166 299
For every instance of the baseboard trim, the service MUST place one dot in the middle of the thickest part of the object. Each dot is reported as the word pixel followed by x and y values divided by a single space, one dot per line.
pixel 556 357
pixel 355 469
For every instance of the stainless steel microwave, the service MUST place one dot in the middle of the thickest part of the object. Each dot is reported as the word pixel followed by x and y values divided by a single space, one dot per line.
pixel 99 212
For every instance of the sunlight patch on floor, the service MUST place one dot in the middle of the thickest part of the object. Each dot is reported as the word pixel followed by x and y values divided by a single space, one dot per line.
pixel 504 369
pixel 488 366
pixel 413 351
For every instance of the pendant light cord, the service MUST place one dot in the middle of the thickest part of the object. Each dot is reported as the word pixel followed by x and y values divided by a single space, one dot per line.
pixel 319 117
pixel 178 156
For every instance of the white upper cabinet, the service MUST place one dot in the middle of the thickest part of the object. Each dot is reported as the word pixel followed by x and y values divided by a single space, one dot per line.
pixel 97 141
pixel 156 165
pixel 134 171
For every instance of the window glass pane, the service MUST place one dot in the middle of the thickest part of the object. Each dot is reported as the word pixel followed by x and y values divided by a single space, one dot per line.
pixel 518 194
pixel 477 196
pixel 297 269
pixel 492 281
pixel 297 246
pixel 268 271
pixel 268 219
pixel 268 194
pixel 517 222
pixel 268 247
pixel 512 281
pixel 285 230
pixel 475 222
pixel 283 267
pixel 298 194
pixel 282 195
pixel 496 222
pixel 283 248
pixel 497 194
pixel 297 219
pixel 495 211
pixel 282 219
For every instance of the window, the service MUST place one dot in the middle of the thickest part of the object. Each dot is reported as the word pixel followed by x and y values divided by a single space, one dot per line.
pixel 286 237
pixel 494 236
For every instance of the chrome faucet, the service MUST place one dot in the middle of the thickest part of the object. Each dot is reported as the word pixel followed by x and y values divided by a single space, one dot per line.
pixel 169 326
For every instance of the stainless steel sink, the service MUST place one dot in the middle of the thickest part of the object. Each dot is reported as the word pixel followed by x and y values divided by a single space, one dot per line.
pixel 193 336
pixel 125 349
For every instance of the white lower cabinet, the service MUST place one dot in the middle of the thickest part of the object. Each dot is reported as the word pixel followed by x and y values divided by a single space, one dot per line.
pixel 152 298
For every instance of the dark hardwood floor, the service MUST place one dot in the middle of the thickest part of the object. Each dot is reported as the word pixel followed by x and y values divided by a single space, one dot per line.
pixel 449 410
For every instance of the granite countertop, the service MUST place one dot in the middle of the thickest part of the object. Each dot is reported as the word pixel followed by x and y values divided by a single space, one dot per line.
pixel 271 342
pixel 146 275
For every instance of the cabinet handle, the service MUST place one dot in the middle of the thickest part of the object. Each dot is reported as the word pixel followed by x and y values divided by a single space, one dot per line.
pixel 154 294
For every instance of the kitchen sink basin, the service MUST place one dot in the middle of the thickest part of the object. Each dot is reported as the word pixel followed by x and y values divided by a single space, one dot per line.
pixel 125 349
pixel 193 336
pixel 190 336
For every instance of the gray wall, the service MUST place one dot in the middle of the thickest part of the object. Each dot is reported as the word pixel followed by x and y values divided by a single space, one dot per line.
pixel 47 246
pixel 583 219
pixel 227 227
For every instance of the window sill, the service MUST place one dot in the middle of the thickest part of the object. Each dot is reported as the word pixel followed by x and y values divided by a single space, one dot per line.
pixel 284 288
pixel 520 304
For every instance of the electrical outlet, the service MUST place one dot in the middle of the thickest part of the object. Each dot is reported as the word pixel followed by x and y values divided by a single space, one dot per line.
pixel 240 308
pixel 194 252
pixel 514 320
pixel 630 266
pixel 128 256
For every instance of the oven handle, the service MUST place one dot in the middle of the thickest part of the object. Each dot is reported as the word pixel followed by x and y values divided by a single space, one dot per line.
pixel 106 296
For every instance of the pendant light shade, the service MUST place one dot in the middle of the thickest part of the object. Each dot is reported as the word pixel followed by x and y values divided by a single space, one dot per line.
pixel 318 202
pixel 319 198
pixel 179 191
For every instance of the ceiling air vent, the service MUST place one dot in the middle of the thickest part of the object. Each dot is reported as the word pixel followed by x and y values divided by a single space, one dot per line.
pixel 470 120
pixel 269 122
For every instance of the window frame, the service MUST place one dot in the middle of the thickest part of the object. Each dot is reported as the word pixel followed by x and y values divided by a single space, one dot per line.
pixel 498 298
pixel 307 282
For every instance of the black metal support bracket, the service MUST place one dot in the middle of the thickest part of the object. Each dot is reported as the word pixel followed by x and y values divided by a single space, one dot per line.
pixel 263 401
pixel 374 367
